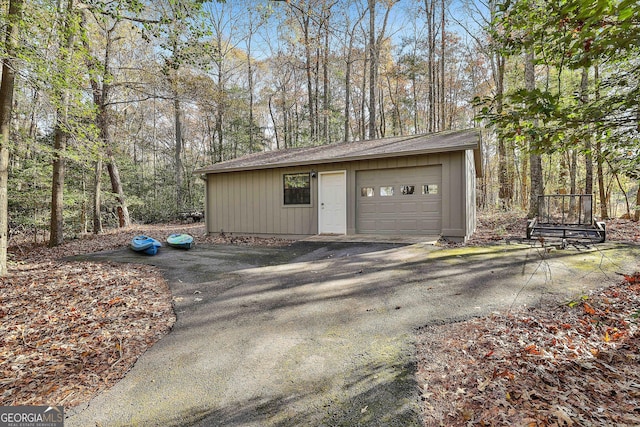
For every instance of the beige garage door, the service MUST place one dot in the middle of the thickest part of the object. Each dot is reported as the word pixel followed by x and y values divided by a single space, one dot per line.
pixel 399 201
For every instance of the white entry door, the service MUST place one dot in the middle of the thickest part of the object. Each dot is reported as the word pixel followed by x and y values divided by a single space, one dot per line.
pixel 332 200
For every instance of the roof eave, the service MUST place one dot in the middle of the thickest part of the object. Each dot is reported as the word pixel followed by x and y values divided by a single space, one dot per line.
pixel 470 146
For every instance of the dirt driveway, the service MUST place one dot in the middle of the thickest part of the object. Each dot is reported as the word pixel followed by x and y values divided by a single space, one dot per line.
pixel 321 333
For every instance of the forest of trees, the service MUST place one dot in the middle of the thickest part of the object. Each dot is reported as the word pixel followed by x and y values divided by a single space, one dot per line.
pixel 106 108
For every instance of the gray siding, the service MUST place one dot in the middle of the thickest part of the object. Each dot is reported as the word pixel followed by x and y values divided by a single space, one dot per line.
pixel 470 198
pixel 454 192
pixel 251 202
pixel 399 213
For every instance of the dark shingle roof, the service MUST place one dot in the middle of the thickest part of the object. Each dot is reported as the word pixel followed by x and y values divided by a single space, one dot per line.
pixel 398 146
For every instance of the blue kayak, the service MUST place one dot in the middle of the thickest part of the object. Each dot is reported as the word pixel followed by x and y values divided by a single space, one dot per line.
pixel 145 244
pixel 181 241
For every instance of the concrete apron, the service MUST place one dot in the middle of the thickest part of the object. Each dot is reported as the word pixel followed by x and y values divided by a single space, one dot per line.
pixel 325 338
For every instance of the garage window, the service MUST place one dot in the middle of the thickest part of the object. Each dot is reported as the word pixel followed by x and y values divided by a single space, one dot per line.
pixel 407 189
pixel 366 192
pixel 297 189
pixel 386 191
pixel 430 189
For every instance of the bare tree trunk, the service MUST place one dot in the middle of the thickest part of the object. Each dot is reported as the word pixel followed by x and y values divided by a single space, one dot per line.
pixel 347 96
pixel 218 128
pixel 285 124
pixel 382 130
pixel 251 101
pixel 588 159
pixel 83 206
pixel 636 216
pixel 414 94
pixel 273 121
pixel 372 69
pixel 394 97
pixel 535 159
pixel 56 227
pixel 505 191
pixel 602 194
pixel 124 219
pixel 295 127
pixel 250 82
pixel 347 78
pixel 537 183
pixel 57 187
pixel 573 172
pixel 316 94
pixel 305 23
pixel 116 187
pixel 97 190
pixel 101 89
pixel 442 58
pixel 375 46
pixel 11 36
pixel 33 119
pixel 177 111
pixel 624 193
pixel 98 99
pixel 429 9
pixel 325 84
pixel 363 103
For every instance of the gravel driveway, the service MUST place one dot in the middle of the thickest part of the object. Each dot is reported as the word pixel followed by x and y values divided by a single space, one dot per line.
pixel 321 333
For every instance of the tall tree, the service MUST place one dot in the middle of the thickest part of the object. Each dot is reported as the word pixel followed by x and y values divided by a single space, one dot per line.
pixel 373 69
pixel 9 68
pixel 226 58
pixel 588 159
pixel 326 84
pixel 535 158
pixel 441 101
pixel 505 192
pixel 350 34
pixel 602 196
pixel 492 107
pixel 254 22
pixel 102 81
pixel 307 20
pixel 180 34
pixel 69 16
pixel 375 46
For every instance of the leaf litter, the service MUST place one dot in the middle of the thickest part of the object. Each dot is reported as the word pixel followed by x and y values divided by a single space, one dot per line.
pixel 69 330
pixel 72 329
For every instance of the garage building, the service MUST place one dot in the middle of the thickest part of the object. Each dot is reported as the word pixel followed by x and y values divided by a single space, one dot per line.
pixel 411 185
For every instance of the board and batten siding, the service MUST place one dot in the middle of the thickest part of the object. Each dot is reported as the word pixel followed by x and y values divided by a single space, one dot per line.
pixel 470 197
pixel 251 202
pixel 454 204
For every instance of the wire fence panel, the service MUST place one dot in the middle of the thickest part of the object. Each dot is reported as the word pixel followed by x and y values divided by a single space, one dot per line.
pixel 565 209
